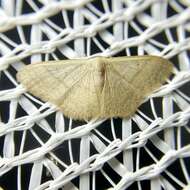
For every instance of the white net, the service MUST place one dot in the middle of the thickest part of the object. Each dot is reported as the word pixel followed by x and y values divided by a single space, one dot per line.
pixel 41 149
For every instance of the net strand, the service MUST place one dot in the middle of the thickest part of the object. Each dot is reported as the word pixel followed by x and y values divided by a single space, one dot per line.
pixel 140 24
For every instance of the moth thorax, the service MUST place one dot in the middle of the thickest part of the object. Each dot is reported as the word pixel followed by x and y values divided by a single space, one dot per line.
pixel 99 70
pixel 99 64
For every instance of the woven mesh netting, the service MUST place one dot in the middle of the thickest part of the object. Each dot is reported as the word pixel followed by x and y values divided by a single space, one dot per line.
pixel 42 149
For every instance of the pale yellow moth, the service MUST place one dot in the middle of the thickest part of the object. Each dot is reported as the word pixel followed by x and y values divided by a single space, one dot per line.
pixel 98 87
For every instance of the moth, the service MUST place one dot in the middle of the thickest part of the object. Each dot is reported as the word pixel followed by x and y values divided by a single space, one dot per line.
pixel 98 87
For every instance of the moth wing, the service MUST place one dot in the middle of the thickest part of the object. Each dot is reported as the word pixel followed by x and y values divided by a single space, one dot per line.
pixel 46 80
pixel 129 80
pixel 68 84
pixel 83 100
